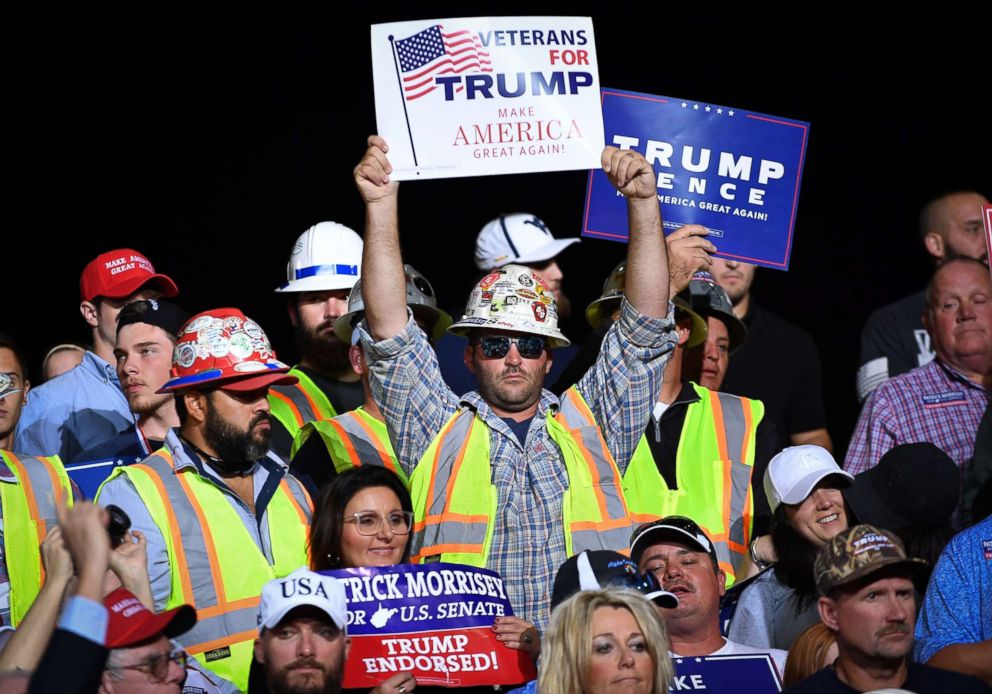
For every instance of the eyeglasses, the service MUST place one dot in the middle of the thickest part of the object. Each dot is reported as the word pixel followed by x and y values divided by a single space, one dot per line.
pixel 498 346
pixel 370 523
pixel 157 666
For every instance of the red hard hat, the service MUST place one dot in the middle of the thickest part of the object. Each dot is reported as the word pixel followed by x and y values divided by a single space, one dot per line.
pixel 226 348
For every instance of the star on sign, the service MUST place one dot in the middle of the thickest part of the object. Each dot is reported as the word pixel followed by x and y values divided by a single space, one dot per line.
pixel 708 109
pixel 719 111
pixel 730 113
pixel 684 104
pixel 699 660
pixel 695 107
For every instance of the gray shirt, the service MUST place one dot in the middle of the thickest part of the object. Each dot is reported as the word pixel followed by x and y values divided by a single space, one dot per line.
pixel 766 615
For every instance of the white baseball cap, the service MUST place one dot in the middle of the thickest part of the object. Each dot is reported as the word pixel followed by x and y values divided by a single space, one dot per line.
pixel 519 238
pixel 302 588
pixel 792 474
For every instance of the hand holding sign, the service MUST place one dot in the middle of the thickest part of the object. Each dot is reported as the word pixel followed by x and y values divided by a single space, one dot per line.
pixel 372 173
pixel 629 172
pixel 519 634
pixel 688 253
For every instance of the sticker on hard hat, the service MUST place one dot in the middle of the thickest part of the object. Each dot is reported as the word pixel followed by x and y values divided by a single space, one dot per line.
pixel 487 281
pixel 241 346
pixel 511 300
pixel 527 294
pixel 540 311
pixel 525 280
pixel 218 346
pixel 250 366
pixel 197 324
pixel 251 327
pixel 185 354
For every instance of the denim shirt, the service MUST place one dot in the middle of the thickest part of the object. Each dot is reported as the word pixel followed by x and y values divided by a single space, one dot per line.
pixel 73 412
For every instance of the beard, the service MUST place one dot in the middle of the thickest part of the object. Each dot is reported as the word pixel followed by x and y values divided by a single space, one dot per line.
pixel 321 347
pixel 237 449
pixel 279 681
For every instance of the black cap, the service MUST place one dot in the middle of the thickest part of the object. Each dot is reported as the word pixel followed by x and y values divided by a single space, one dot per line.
pixel 912 484
pixel 708 298
pixel 161 314
pixel 677 528
pixel 596 569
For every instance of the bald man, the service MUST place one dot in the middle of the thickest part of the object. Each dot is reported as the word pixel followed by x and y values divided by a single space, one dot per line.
pixel 894 340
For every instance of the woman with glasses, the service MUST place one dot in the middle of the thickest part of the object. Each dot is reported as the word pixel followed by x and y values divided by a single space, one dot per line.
pixel 362 518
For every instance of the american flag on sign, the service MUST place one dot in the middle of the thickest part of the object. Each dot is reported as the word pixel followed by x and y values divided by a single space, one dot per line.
pixel 432 52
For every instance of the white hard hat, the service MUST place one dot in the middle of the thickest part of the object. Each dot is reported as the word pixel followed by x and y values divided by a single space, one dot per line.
pixel 327 256
pixel 420 298
pixel 516 238
pixel 512 298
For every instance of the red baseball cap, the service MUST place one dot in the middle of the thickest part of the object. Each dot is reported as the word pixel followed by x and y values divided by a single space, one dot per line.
pixel 131 622
pixel 120 273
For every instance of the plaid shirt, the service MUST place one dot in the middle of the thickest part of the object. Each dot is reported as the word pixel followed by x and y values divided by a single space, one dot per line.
pixel 528 543
pixel 931 403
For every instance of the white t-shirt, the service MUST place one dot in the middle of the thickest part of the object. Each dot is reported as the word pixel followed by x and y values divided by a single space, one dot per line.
pixel 734 648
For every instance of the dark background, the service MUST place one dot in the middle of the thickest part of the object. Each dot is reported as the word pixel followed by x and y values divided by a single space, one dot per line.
pixel 209 140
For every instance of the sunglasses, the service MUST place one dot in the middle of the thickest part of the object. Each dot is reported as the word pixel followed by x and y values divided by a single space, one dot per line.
pixel 498 346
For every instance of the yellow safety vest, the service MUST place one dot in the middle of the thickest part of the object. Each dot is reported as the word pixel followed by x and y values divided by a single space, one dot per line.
pixel 30 508
pixel 353 439
pixel 713 466
pixel 293 406
pixel 214 563
pixel 455 500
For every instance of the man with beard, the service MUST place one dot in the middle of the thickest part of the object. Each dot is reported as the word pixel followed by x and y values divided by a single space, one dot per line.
pixel 302 634
pixel 146 335
pixel 323 266
pixel 684 560
pixel 220 515
pixel 867 600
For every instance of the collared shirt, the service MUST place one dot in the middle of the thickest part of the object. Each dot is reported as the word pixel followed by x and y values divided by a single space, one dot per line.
pixel 528 543
pixel 267 474
pixel 932 403
pixel 73 412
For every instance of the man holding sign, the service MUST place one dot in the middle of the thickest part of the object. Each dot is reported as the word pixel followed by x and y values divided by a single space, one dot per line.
pixel 511 477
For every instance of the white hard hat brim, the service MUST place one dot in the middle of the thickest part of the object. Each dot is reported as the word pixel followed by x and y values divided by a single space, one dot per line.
pixel 318 283
pixel 537 255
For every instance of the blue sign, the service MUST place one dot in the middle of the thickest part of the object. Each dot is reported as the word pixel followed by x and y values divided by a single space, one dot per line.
pixel 735 172
pixel 754 673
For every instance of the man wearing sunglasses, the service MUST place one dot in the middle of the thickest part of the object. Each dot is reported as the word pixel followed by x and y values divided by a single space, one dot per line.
pixel 511 477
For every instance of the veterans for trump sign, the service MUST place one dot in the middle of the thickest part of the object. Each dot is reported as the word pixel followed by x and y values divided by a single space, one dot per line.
pixel 434 620
pixel 733 171
pixel 478 96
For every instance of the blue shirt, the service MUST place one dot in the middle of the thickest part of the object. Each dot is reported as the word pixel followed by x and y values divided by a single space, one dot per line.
pixel 957 607
pixel 73 412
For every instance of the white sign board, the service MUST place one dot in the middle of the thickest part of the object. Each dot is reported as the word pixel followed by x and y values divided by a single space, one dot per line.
pixel 487 95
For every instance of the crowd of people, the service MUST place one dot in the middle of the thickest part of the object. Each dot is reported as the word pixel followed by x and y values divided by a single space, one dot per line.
pixel 174 496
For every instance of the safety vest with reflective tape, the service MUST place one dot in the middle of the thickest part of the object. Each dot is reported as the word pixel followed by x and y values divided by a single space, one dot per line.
pixel 713 466
pixel 30 508
pixel 214 563
pixel 455 500
pixel 353 439
pixel 293 406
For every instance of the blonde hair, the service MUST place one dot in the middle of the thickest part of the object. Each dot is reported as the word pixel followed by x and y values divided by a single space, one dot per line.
pixel 807 653
pixel 567 644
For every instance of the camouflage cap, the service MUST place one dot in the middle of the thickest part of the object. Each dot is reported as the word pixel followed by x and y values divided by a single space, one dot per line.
pixel 858 552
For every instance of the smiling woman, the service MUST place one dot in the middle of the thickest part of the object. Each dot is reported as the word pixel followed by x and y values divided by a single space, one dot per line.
pixel 803 486
pixel 362 518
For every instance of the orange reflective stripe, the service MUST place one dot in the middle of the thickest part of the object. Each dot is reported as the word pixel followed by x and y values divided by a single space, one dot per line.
pixel 39 522
pixel 387 460
pixel 450 516
pixel 313 406
pixel 177 540
pixel 644 517
pixel 220 643
pixel 208 540
pixel 346 442
pixel 606 524
pixel 746 409
pixel 746 510
pixel 721 444
pixel 285 487
pixel 437 454
pixel 216 610
pixel 56 485
pixel 444 549
pixel 289 403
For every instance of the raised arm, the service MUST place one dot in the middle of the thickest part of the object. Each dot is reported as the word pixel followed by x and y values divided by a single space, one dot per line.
pixel 383 281
pixel 647 258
